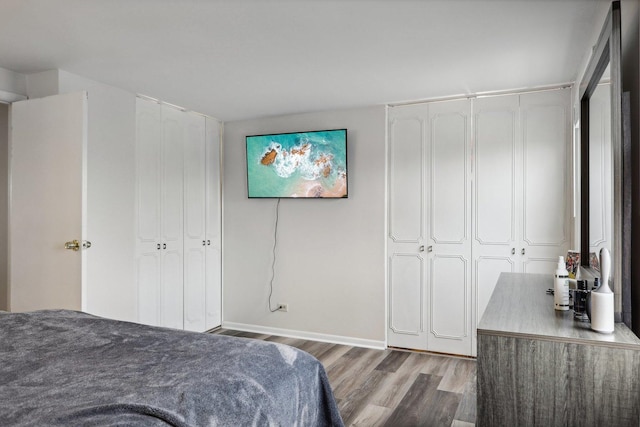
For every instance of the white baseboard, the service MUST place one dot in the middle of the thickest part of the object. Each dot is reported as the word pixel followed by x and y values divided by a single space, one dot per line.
pixel 313 336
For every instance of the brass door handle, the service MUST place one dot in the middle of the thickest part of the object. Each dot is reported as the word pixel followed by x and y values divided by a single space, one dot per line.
pixel 75 245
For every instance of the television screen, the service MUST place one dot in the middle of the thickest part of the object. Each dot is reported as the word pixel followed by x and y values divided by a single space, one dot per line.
pixel 300 165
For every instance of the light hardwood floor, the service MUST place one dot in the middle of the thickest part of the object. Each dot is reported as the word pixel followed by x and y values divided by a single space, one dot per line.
pixel 392 387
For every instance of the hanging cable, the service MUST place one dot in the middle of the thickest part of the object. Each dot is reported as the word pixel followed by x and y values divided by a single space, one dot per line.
pixel 273 262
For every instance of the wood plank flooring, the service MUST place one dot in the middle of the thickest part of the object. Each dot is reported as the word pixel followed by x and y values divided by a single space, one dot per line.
pixel 392 387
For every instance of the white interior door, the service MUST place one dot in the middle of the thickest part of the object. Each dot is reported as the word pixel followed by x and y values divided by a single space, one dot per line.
pixel 110 165
pixel 47 145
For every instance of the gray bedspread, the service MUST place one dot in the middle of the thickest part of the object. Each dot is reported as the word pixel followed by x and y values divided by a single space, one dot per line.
pixel 67 368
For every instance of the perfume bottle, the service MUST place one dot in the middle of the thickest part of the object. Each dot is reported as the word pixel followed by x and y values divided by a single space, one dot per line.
pixel 561 286
pixel 580 299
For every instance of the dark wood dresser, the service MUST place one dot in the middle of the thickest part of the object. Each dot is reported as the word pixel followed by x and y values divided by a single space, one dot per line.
pixel 539 367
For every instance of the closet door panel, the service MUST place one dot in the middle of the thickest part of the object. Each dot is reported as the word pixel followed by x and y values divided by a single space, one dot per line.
pixel 148 161
pixel 545 198
pixel 406 310
pixel 496 179
pixel 406 240
pixel 194 289
pixel 545 165
pixel 448 207
pixel 173 133
pixel 449 230
pixel 194 222
pixel 406 181
pixel 540 265
pixel 194 176
pixel 487 269
pixel 495 170
pixel 407 301
pixel 449 305
pixel 148 210
pixel 172 143
pixel 171 296
pixel 148 277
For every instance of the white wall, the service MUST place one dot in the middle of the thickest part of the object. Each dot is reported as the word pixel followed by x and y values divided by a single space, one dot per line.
pixel 330 266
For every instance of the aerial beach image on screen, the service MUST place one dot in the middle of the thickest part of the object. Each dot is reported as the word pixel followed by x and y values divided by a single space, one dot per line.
pixel 304 165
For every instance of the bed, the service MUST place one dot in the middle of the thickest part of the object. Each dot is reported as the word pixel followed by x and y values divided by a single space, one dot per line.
pixel 68 368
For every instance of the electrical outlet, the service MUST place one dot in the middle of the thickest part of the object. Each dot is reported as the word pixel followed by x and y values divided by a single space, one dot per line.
pixel 283 307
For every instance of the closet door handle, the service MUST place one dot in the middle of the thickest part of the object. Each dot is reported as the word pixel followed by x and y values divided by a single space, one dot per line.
pixel 421 248
pixel 430 249
pixel 158 246
pixel 513 251
pixel 522 251
pixel 164 246
pixel 208 242
pixel 204 243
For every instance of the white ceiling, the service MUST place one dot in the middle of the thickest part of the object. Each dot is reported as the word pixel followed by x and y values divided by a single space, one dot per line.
pixel 239 59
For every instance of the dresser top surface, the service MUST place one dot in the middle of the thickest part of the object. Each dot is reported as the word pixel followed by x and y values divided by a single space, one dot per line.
pixel 520 306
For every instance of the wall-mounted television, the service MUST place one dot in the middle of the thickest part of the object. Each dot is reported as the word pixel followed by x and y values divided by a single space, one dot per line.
pixel 298 165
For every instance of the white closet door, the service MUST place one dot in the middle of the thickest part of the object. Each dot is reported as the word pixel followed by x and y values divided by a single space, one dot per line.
pixel 178 218
pixel 545 118
pixel 194 222
pixel 521 197
pixel 48 140
pixel 449 227
pixel 172 184
pixel 406 239
pixel 429 230
pixel 496 187
pixel 213 226
pixel 468 200
pixel 148 196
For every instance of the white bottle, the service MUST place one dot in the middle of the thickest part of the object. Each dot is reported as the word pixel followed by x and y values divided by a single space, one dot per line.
pixel 561 286
pixel 602 309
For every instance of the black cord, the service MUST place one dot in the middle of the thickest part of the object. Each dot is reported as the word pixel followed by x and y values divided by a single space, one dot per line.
pixel 273 263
